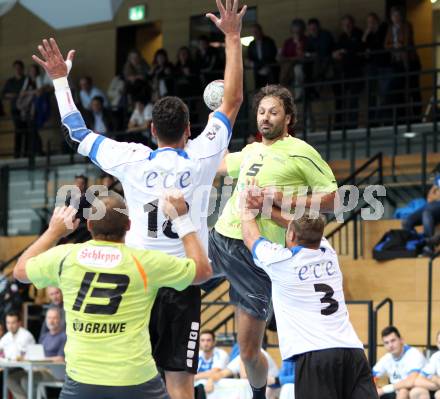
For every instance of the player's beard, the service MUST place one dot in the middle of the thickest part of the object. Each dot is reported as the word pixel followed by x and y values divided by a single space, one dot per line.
pixel 271 131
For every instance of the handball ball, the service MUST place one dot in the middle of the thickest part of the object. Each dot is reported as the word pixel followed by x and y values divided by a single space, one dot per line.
pixel 213 94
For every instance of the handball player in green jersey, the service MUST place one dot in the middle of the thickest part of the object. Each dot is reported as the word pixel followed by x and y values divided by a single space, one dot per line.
pixel 109 290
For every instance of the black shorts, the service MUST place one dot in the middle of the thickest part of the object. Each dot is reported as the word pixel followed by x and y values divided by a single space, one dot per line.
pixel 174 329
pixel 154 389
pixel 334 374
pixel 250 287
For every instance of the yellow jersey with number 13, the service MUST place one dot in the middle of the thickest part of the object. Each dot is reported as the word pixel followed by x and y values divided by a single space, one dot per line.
pixel 109 290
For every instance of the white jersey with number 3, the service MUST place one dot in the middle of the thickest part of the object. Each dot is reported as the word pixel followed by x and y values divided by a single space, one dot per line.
pixel 308 297
pixel 145 175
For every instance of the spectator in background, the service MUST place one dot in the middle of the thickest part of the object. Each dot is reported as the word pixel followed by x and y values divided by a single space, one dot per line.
pixel 81 182
pixel 88 91
pixel 55 301
pixel 292 58
pixel 402 364
pixel 319 46
pixel 27 103
pixel 378 67
pixel 141 118
pixel 135 74
pixel 400 39
pixel 235 369
pixel 186 74
pixel 53 344
pixel 15 342
pixel 286 379
pixel 10 92
pixel 79 201
pixel 262 53
pixel 211 359
pixel 13 346
pixel 348 66
pixel 99 119
pixel 161 75
pixel 112 183
pixel 428 216
pixel 135 68
pixel 428 382
pixel 209 61
pixel 117 100
pixel 2 329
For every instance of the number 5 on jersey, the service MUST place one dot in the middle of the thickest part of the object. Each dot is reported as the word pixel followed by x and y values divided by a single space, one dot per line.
pixel 254 169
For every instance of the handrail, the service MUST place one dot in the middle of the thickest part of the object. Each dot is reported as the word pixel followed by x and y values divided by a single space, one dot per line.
pixel 361 168
pixel 355 213
pixel 430 283
pixel 214 300
pixel 5 264
pixel 382 303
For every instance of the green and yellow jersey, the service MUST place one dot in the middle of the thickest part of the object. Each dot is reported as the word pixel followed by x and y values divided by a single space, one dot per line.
pixel 289 165
pixel 109 290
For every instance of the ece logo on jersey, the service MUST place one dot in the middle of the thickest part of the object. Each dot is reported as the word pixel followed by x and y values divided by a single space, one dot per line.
pixel 98 328
pixel 105 257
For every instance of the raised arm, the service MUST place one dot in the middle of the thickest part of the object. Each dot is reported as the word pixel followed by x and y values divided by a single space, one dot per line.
pixel 60 225
pixel 324 202
pixel 230 23
pixel 109 155
pixel 175 208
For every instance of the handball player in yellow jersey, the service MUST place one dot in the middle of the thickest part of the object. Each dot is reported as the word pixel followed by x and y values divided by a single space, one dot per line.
pixel 109 290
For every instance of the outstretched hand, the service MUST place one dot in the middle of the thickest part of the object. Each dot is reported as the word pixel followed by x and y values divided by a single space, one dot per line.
pixel 250 199
pixel 230 20
pixel 53 61
pixel 63 221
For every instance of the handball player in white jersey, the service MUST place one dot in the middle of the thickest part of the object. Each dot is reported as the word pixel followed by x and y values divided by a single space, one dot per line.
pixel 314 329
pixel 188 165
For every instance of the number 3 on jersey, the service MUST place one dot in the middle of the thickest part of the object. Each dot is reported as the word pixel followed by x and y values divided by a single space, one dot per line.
pixel 333 304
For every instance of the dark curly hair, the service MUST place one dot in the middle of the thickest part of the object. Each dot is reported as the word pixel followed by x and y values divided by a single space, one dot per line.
pixel 284 95
pixel 170 118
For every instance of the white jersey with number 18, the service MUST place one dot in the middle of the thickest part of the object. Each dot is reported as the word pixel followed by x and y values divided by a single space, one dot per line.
pixel 145 175
pixel 308 297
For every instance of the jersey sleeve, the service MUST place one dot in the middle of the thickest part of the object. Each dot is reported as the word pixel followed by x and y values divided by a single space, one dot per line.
pixel 234 366
pixel 213 140
pixel 233 163
pixel 44 270
pixel 431 368
pixel 316 172
pixel 221 361
pixel 266 253
pixel 416 361
pixel 170 271
pixel 109 155
pixel 379 369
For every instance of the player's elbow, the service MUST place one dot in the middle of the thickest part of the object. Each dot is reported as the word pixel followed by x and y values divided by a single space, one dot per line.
pixel 20 272
pixel 330 202
pixel 204 271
